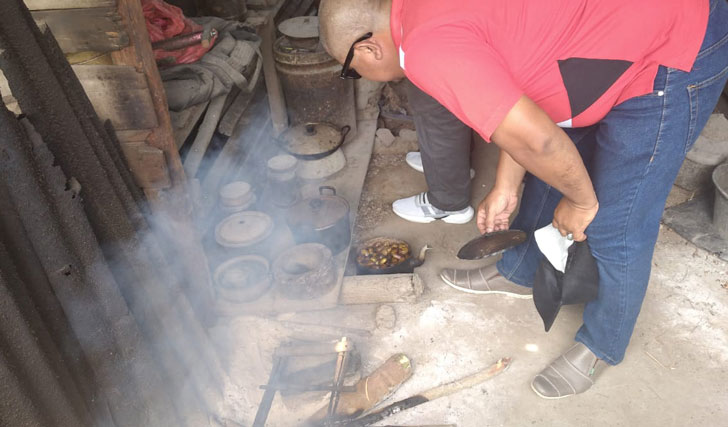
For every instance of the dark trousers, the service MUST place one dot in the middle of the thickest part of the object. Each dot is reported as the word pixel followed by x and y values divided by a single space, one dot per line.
pixel 445 148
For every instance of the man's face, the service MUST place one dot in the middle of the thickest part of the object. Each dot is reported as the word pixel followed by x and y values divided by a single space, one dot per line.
pixel 376 59
pixel 379 70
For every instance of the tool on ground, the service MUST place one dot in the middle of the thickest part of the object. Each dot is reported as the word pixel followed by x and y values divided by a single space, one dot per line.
pixel 342 348
pixel 369 391
pixel 490 244
pixel 431 394
pixel 261 416
pixel 304 388
pixel 279 380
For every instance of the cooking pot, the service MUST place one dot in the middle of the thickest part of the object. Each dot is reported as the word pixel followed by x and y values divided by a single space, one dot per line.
pixel 321 219
pixel 242 279
pixel 313 141
pixel 304 271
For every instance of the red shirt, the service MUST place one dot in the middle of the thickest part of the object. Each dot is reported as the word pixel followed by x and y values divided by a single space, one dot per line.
pixel 575 58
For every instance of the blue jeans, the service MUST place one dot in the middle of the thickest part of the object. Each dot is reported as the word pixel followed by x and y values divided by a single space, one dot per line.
pixel 633 156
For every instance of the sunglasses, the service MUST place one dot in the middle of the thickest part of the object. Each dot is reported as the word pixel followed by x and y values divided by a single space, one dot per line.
pixel 346 71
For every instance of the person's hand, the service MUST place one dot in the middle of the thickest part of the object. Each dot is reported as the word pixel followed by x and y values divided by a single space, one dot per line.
pixel 570 218
pixel 494 212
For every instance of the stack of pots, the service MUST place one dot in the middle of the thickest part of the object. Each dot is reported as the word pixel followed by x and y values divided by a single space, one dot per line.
pixel 236 196
pixel 310 77
pixel 282 184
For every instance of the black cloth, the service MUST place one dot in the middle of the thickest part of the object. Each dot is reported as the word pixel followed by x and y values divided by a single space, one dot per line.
pixel 578 284
pixel 445 148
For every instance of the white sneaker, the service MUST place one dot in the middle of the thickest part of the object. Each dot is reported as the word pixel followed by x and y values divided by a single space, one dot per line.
pixel 418 209
pixel 414 159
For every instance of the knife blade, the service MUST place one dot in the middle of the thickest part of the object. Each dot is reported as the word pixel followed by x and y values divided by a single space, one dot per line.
pixel 490 244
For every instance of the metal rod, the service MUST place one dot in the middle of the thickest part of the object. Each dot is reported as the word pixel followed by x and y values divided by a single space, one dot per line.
pixel 296 387
pixel 342 348
pixel 182 41
pixel 270 393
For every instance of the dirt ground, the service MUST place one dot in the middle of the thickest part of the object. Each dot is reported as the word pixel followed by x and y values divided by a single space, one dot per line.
pixel 675 372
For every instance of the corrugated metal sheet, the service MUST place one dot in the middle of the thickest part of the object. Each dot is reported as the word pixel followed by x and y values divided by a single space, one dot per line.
pixel 96 328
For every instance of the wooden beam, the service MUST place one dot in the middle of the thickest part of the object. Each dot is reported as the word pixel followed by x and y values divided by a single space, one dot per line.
pixel 120 94
pixel 381 288
pixel 134 135
pixel 67 4
pixel 76 30
pixel 140 55
pixel 147 164
pixel 276 101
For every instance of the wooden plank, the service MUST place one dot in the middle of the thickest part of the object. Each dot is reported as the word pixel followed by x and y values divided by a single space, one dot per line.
pixel 147 164
pixel 133 135
pixel 140 55
pixel 381 288
pixel 119 94
pixel 77 30
pixel 361 317
pixel 67 4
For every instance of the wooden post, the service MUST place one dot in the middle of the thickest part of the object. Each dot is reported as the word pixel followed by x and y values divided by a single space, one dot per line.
pixel 278 112
pixel 140 55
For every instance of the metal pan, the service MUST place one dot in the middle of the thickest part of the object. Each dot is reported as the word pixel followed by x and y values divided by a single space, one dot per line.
pixel 490 244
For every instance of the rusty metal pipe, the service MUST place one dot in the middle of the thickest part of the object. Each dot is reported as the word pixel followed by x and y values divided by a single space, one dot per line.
pixel 184 40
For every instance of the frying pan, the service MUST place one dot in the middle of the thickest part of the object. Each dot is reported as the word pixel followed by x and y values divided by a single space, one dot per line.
pixel 490 244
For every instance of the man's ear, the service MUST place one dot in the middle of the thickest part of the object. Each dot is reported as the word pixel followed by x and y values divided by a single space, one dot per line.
pixel 371 47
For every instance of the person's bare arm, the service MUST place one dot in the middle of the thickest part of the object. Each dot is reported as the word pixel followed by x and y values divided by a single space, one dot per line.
pixel 534 141
pixel 509 173
pixel 494 212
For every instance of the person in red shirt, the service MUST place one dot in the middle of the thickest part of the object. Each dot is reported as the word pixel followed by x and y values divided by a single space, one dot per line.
pixel 594 103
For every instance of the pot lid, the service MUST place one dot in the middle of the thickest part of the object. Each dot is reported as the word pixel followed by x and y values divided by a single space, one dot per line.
pixel 243 229
pixel 300 27
pixel 282 163
pixel 311 139
pixel 235 193
pixel 319 212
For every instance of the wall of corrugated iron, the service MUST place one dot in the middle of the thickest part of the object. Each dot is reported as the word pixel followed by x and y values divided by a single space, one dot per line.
pixel 95 326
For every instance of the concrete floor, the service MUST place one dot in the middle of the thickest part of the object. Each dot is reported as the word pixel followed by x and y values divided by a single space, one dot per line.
pixel 675 372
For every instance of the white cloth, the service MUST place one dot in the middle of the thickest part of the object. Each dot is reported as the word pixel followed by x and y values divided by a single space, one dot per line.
pixel 553 245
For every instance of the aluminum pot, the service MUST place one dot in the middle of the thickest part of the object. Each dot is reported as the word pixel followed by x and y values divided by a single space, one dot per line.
pixel 321 219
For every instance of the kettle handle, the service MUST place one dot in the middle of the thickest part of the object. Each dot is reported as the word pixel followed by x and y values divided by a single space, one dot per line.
pixel 327 187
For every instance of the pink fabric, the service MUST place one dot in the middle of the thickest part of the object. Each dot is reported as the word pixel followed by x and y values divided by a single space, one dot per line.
pixel 165 21
pixel 477 57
